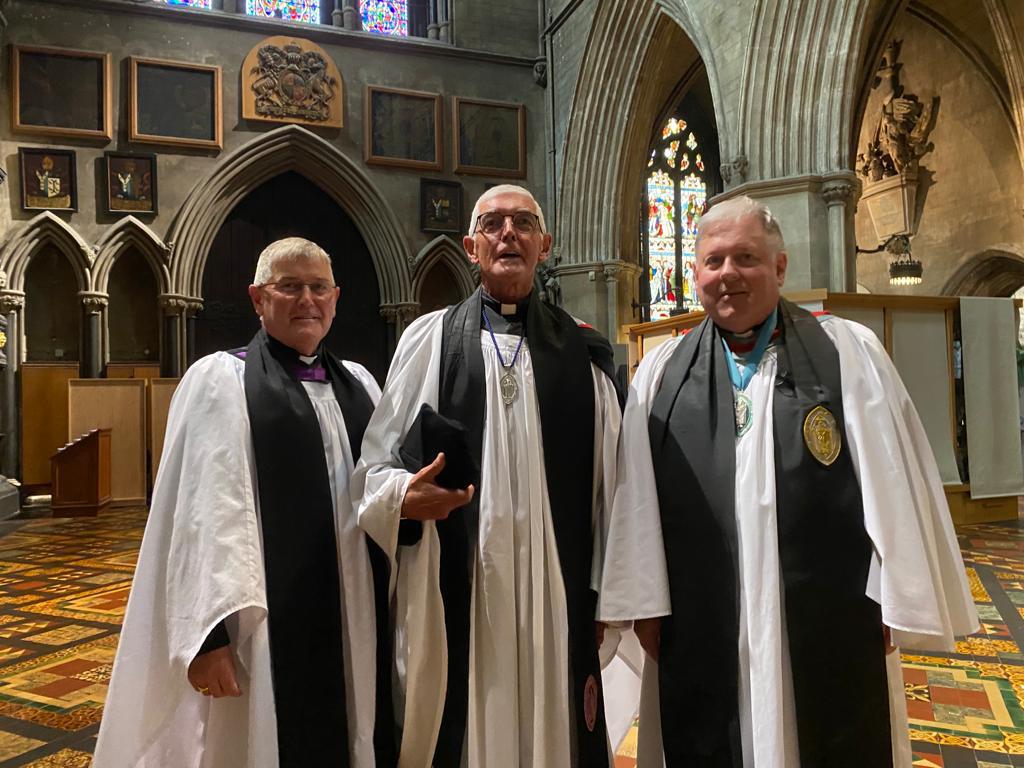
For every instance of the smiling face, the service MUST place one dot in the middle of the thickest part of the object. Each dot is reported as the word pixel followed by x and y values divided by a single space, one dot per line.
pixel 301 321
pixel 738 273
pixel 509 258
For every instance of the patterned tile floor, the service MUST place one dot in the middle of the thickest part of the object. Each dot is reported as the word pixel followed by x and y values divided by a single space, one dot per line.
pixel 64 585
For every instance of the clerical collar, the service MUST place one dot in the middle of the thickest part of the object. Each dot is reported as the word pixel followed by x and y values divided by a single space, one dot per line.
pixel 744 343
pixel 299 367
pixel 505 318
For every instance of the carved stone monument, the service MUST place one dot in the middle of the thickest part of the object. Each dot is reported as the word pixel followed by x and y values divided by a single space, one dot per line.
pixel 889 163
pixel 291 80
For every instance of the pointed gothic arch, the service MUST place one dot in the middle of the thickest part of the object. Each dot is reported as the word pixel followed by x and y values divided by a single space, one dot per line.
pixel 127 233
pixel 444 250
pixel 39 232
pixel 290 148
pixel 994 272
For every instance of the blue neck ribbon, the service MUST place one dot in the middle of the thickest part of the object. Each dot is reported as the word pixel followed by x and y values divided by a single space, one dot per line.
pixel 741 376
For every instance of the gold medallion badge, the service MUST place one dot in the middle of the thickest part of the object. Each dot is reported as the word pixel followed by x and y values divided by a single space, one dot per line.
pixel 821 435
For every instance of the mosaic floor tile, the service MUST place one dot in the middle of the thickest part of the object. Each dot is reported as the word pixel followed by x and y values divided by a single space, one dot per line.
pixel 72 633
pixel 104 604
pixel 12 745
pixel 66 758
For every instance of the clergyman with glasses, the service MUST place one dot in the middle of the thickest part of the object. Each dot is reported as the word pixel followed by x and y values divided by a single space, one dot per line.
pixel 498 651
pixel 251 634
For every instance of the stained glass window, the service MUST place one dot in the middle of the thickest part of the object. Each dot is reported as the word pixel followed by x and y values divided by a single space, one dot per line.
pixel 306 11
pixel 677 193
pixel 191 3
pixel 385 17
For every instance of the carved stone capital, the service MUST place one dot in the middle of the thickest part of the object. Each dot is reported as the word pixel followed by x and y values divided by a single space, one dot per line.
pixel 838 192
pixel 11 301
pixel 94 303
pixel 403 311
pixel 173 304
pixel 735 170
pixel 193 306
pixel 540 72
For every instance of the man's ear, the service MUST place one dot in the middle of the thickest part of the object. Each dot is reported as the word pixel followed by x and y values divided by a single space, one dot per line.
pixel 469 243
pixel 545 247
pixel 256 295
pixel 781 261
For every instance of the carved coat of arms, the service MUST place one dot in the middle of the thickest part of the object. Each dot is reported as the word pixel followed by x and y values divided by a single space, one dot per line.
pixel 290 80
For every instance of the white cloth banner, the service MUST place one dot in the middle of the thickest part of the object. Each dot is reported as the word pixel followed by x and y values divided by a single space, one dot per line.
pixel 989 332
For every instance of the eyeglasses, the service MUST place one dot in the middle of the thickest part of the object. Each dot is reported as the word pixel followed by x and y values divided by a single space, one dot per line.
pixel 294 288
pixel 493 222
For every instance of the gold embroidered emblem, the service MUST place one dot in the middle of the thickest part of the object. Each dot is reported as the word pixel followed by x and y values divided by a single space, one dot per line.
pixel 821 435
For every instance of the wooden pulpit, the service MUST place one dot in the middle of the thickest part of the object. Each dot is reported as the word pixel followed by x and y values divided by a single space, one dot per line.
pixel 80 472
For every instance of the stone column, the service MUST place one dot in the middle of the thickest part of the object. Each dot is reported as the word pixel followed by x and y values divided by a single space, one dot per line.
pixel 91 365
pixel 174 307
pixel 398 316
pixel 11 304
pixel 433 28
pixel 192 308
pixel 233 6
pixel 349 14
pixel 840 196
pixel 611 289
pixel 444 23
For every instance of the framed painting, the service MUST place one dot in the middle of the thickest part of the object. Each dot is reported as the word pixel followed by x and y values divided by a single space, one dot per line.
pixel 490 138
pixel 402 128
pixel 174 103
pixel 441 206
pixel 48 179
pixel 130 185
pixel 61 92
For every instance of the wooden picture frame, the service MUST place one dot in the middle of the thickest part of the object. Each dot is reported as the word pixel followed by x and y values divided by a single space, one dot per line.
pixel 490 137
pixel 441 206
pixel 61 92
pixel 402 128
pixel 49 179
pixel 129 183
pixel 174 103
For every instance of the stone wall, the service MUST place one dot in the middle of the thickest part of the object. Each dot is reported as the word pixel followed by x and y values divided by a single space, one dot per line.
pixel 214 37
pixel 972 187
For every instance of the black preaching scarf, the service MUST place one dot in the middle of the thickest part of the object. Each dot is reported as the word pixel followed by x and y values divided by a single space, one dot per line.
pixel 561 354
pixel 834 630
pixel 300 551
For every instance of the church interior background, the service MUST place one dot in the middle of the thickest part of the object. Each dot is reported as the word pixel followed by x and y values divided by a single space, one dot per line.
pixel 151 148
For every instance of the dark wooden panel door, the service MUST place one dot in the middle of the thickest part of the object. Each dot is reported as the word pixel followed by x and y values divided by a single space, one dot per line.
pixel 291 205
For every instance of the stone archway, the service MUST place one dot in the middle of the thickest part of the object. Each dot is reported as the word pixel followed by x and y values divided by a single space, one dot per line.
pixel 290 148
pixel 443 251
pixel 784 122
pixel 994 273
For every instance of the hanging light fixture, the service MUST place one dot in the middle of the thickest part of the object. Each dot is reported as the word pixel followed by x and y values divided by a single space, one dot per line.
pixel 904 269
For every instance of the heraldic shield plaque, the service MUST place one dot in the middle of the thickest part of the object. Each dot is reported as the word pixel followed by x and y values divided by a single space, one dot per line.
pixel 291 80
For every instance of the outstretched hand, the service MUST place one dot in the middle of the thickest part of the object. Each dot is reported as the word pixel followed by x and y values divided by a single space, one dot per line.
pixel 426 500
pixel 213 673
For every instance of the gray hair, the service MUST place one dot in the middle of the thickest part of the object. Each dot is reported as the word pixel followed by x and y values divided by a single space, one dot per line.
pixel 502 189
pixel 737 208
pixel 287 249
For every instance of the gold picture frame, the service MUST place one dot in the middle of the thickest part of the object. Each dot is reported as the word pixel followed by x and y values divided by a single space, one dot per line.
pixel 489 137
pixel 61 92
pixel 175 103
pixel 402 128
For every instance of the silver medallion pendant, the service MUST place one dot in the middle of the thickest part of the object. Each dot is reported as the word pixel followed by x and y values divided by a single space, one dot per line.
pixel 509 388
pixel 743 409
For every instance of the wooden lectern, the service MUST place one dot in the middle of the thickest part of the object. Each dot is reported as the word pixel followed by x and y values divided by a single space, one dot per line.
pixel 81 475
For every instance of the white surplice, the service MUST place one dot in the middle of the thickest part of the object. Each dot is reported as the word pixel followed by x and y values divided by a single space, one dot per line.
pixel 201 562
pixel 916 575
pixel 518 686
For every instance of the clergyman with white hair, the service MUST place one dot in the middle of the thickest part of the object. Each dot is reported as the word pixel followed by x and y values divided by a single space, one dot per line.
pixel 251 633
pixel 779 527
pixel 485 474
